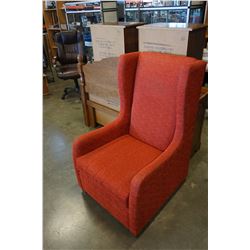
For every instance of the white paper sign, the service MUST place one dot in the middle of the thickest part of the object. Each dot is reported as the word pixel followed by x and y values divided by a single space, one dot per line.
pixel 107 40
pixel 163 40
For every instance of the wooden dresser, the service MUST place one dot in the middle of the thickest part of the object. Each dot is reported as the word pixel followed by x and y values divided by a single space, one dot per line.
pixel 173 38
pixel 113 40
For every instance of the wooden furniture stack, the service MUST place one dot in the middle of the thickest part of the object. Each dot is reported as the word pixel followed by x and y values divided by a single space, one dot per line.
pixel 174 38
pixel 99 91
pixel 100 97
pixel 55 21
pixel 113 40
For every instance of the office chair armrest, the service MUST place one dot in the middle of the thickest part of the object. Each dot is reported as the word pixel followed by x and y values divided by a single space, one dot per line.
pixel 154 184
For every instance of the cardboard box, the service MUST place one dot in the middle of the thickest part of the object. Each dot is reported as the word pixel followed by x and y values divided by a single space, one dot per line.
pixel 173 38
pixel 114 40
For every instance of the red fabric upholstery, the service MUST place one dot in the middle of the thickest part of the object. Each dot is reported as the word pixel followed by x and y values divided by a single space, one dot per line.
pixel 110 168
pixel 133 165
pixel 88 142
pixel 154 102
pixel 164 175
pixel 103 196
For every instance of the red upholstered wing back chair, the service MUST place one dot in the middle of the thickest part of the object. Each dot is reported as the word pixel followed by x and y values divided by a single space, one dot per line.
pixel 134 164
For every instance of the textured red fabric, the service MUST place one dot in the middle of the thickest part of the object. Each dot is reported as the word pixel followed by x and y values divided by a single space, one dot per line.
pixel 145 186
pixel 164 175
pixel 104 197
pixel 154 102
pixel 115 164
pixel 94 139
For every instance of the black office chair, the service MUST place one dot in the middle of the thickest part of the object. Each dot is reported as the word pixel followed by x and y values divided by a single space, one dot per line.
pixel 69 46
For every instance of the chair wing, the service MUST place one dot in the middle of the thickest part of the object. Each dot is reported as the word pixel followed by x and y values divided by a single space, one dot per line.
pixel 133 165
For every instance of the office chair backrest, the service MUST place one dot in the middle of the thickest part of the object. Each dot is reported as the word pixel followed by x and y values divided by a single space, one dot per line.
pixel 69 45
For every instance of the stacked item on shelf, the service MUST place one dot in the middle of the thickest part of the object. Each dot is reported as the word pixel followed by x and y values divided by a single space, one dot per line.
pixel 114 40
pixel 153 11
pixel 82 7
pixel 50 4
pixel 174 38
pixel 79 16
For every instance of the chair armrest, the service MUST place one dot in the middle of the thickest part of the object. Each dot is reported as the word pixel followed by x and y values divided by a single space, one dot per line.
pixel 151 187
pixel 94 139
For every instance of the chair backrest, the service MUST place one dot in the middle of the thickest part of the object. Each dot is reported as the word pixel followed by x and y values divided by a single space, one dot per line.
pixel 160 83
pixel 69 45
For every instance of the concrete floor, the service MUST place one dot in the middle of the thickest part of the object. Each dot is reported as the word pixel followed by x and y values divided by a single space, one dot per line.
pixel 74 222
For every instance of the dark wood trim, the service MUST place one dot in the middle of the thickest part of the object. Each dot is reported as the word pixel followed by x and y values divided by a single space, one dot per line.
pixel 203 105
pixel 92 117
pixel 196 43
pixel 84 94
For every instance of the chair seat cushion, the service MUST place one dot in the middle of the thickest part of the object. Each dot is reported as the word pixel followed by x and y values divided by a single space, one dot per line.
pixel 68 71
pixel 114 165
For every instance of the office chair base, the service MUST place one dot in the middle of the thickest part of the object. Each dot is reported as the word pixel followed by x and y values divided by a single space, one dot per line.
pixel 69 90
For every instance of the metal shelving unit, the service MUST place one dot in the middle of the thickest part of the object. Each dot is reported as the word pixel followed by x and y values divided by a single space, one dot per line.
pixel 83 11
pixel 153 11
pixel 79 15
